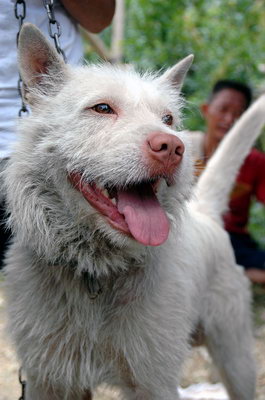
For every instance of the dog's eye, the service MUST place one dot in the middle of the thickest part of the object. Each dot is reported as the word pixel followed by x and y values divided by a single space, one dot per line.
pixel 103 108
pixel 167 119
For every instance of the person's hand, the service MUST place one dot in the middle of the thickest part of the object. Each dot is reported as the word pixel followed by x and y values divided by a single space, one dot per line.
pixel 93 15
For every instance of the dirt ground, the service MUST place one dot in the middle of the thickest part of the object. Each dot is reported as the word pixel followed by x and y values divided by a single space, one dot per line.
pixel 197 369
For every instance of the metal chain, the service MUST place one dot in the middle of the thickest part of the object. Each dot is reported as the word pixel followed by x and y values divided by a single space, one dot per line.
pixel 22 383
pixel 20 14
pixel 55 33
pixel 54 26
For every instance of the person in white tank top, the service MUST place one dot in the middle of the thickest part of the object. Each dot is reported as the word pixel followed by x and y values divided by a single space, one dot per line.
pixel 94 15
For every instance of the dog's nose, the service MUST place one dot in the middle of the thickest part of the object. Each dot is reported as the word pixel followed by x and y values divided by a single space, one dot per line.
pixel 165 149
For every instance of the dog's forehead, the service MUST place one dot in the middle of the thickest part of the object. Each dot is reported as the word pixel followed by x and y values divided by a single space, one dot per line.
pixel 124 85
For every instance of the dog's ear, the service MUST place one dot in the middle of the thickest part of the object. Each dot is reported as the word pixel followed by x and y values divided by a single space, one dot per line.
pixel 176 74
pixel 39 63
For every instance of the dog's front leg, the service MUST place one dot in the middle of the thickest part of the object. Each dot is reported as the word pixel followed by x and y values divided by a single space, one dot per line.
pixel 36 391
pixel 87 396
pixel 152 390
pixel 145 394
pixel 41 392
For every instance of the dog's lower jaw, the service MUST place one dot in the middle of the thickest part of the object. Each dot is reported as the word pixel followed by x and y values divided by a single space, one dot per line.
pixel 136 211
pixel 96 249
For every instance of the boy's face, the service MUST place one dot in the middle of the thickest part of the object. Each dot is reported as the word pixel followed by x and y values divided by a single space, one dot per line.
pixel 222 111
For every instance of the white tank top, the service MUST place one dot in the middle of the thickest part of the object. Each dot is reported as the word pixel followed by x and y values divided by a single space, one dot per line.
pixel 9 100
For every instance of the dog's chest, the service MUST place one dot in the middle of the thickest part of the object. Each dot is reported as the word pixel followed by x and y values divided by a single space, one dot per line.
pixel 89 333
pixel 71 332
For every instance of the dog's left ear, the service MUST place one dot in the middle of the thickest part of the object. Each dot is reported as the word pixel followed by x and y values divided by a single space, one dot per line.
pixel 40 65
pixel 176 74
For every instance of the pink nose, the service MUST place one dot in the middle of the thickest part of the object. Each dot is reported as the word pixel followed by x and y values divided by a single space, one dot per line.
pixel 165 150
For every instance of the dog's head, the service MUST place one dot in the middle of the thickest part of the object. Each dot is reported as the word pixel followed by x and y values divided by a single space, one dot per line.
pixel 103 140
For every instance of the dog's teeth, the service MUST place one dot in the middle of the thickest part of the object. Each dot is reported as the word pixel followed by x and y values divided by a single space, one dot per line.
pixel 105 192
pixel 114 201
pixel 100 186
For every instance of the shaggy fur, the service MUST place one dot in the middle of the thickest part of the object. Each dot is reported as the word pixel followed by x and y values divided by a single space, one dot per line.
pixel 90 304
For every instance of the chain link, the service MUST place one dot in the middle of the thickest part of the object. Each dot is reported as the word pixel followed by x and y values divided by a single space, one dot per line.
pixel 20 14
pixel 22 383
pixel 55 33
pixel 54 26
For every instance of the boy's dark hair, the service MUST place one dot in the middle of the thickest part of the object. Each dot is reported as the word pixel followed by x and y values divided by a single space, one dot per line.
pixel 229 84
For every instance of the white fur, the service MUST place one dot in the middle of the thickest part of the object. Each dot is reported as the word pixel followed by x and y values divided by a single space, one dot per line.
pixel 136 333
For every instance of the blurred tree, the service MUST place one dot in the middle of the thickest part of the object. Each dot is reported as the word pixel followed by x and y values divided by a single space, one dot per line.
pixel 226 37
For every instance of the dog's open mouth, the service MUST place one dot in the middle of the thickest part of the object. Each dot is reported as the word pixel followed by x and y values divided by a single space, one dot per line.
pixel 134 210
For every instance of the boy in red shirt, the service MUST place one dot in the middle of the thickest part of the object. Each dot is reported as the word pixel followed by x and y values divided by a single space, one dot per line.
pixel 229 99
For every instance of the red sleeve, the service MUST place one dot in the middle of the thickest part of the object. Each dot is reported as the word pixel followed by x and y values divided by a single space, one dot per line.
pixel 260 176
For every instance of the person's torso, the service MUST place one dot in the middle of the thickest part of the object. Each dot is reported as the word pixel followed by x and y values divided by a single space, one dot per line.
pixel 35 13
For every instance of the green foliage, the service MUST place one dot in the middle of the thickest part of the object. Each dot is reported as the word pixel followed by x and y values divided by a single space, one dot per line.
pixel 258 304
pixel 226 37
pixel 257 223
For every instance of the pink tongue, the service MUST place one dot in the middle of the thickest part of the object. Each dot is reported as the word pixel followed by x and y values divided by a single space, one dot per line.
pixel 145 218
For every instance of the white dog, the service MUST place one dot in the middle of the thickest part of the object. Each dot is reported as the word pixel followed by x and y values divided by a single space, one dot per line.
pixel 114 263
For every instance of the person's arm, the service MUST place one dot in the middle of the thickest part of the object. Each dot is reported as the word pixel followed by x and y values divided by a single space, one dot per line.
pixel 93 15
pixel 260 177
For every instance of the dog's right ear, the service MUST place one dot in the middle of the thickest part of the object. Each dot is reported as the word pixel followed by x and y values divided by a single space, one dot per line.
pixel 176 75
pixel 39 63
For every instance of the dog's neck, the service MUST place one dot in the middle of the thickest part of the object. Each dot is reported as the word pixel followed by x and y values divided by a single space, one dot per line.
pixel 96 283
pixel 99 268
